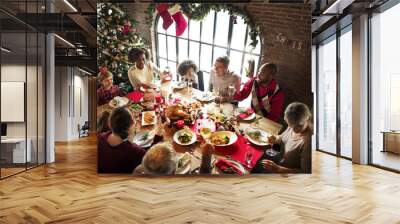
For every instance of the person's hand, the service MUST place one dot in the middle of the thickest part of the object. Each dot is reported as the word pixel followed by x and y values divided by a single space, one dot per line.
pixel 270 166
pixel 272 139
pixel 219 99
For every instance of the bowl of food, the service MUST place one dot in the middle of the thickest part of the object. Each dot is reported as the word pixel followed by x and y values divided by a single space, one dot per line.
pixel 185 137
pixel 257 136
pixel 222 138
pixel 205 97
pixel 118 102
pixel 180 85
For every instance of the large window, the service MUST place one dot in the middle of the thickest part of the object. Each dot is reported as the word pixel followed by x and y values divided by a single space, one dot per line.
pixel 217 35
pixel 334 94
pixel 327 95
pixel 385 87
pixel 345 42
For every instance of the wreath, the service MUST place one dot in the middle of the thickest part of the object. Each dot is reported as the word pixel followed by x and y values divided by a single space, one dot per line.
pixel 198 12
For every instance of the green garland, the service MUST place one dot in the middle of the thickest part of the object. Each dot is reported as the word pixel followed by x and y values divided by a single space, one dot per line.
pixel 198 12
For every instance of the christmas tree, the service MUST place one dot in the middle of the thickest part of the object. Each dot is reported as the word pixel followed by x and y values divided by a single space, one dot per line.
pixel 116 35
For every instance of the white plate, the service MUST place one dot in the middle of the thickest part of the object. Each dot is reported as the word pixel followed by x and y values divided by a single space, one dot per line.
pixel 144 123
pixel 232 137
pixel 180 132
pixel 264 134
pixel 180 85
pixel 238 165
pixel 205 97
pixel 186 168
pixel 249 118
pixel 138 139
pixel 121 102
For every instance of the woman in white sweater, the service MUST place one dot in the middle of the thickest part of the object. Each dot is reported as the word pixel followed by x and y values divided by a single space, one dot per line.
pixel 142 72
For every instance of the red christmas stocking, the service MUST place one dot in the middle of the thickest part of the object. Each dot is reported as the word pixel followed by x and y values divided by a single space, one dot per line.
pixel 162 10
pixel 180 21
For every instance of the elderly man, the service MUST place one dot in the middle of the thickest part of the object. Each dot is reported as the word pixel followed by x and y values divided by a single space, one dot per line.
pixel 266 96
pixel 223 81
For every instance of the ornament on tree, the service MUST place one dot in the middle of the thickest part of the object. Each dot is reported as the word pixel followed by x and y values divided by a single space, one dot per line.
pixel 126 29
pixel 179 19
pixel 162 10
pixel 103 70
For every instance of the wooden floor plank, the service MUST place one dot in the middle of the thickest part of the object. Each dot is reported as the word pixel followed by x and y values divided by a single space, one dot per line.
pixel 71 191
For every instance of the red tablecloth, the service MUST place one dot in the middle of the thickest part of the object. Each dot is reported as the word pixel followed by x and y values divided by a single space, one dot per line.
pixel 238 151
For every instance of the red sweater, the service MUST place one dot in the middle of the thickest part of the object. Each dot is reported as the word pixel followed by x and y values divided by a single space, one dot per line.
pixel 276 100
pixel 122 158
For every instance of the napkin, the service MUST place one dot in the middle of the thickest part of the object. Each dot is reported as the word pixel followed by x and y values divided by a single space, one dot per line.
pixel 135 96
pixel 246 114
pixel 238 151
pixel 224 164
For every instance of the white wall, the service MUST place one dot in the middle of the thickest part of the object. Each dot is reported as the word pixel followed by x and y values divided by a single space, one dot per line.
pixel 71 102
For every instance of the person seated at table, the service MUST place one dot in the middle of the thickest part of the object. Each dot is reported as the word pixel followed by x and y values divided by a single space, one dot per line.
pixel 187 69
pixel 223 81
pixel 102 122
pixel 115 153
pixel 267 98
pixel 159 160
pixel 107 91
pixel 295 142
pixel 141 74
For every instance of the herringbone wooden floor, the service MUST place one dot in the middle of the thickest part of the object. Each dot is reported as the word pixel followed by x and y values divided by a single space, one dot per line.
pixel 70 191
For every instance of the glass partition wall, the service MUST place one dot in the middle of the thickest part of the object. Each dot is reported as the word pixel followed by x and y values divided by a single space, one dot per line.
pixel 385 89
pixel 334 94
pixel 22 77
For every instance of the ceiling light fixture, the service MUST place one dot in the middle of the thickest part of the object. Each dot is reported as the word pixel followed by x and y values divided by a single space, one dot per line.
pixel 84 71
pixel 64 40
pixel 70 5
pixel 337 7
pixel 5 50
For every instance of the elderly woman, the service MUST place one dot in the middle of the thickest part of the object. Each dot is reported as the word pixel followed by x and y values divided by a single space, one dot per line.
pixel 141 74
pixel 115 153
pixel 223 81
pixel 159 160
pixel 107 91
pixel 187 69
pixel 295 142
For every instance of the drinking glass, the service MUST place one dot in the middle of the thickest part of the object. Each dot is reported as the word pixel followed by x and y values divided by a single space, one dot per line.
pixel 231 90
pixel 190 86
pixel 270 151
pixel 249 156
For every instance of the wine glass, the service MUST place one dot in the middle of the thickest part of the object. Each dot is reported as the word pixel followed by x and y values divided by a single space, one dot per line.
pixel 249 156
pixel 270 152
pixel 190 85
pixel 231 90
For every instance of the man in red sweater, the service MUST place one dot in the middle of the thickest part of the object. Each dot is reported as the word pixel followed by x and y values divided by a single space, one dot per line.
pixel 266 97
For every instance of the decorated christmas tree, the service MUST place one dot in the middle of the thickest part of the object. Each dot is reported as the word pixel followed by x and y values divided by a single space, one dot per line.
pixel 116 35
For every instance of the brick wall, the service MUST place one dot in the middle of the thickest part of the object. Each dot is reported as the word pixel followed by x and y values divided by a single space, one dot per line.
pixel 292 20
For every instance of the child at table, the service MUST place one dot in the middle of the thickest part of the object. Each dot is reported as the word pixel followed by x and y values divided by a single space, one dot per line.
pixel 107 91
pixel 187 69
pixel 295 142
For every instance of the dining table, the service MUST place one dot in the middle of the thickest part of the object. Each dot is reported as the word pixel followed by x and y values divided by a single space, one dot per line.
pixel 235 153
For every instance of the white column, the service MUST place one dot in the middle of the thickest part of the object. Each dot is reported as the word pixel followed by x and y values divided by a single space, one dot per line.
pixel 360 90
pixel 50 92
